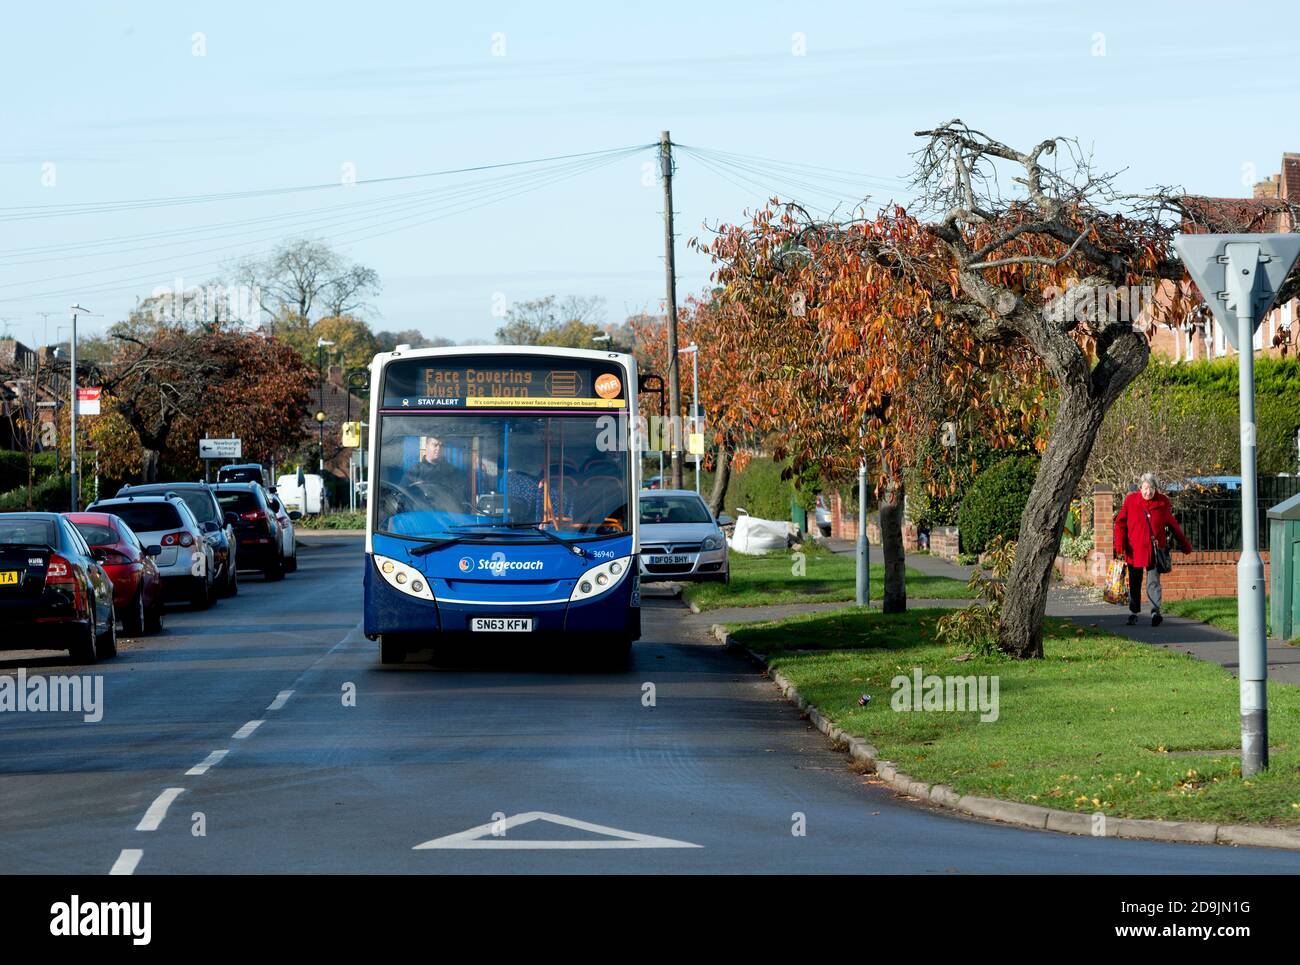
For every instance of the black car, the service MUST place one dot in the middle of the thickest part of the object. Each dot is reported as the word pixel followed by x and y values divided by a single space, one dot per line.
pixel 244 472
pixel 257 530
pixel 217 530
pixel 53 595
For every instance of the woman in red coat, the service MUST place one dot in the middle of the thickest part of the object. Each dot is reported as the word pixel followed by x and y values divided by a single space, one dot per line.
pixel 1143 520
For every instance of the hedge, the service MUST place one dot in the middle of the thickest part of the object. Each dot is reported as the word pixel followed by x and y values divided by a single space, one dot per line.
pixel 995 502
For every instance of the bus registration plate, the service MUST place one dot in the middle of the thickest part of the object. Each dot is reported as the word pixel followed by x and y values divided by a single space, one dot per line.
pixel 501 624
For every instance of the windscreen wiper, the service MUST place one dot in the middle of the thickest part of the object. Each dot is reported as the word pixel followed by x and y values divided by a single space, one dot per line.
pixel 534 527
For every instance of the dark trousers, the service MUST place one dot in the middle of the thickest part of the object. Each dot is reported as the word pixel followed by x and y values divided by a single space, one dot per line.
pixel 1135 588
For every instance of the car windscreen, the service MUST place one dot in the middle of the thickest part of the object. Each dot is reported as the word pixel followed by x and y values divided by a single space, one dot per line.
pixel 20 529
pixel 239 475
pixel 146 517
pixel 97 534
pixel 196 500
pixel 673 509
pixel 237 501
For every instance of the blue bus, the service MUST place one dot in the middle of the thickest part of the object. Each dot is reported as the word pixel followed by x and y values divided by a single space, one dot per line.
pixel 502 499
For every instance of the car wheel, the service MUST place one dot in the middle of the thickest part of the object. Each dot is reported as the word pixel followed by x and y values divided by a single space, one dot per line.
pixel 84 650
pixel 134 618
pixel 232 584
pixel 154 617
pixel 392 648
pixel 275 571
pixel 291 564
pixel 106 643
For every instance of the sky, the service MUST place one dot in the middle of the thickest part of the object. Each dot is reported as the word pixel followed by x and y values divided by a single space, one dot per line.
pixel 109 105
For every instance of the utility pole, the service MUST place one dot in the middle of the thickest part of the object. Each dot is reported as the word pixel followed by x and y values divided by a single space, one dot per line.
pixel 72 380
pixel 670 270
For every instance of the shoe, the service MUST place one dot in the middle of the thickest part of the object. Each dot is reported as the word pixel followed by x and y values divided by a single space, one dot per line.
pixel 1156 618
pixel 1132 620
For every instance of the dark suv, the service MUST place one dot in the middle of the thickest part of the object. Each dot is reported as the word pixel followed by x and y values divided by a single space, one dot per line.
pixel 257 530
pixel 218 531
pixel 243 472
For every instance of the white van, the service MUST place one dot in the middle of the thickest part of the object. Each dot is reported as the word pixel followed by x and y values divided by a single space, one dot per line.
pixel 308 498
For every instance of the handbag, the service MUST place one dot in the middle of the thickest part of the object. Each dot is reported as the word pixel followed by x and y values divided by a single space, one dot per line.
pixel 1160 558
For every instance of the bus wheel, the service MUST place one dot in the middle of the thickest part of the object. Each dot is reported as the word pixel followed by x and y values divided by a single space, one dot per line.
pixel 392 648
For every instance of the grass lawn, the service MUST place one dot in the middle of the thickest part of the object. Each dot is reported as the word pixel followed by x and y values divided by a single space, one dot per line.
pixel 1218 611
pixel 827 578
pixel 1085 729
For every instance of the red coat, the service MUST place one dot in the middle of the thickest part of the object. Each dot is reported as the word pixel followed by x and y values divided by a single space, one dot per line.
pixel 1133 538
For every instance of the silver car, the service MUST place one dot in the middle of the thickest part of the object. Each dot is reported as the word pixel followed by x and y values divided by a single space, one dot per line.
pixel 680 539
pixel 186 563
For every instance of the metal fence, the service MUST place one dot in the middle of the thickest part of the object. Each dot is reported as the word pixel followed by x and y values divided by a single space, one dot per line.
pixel 1211 517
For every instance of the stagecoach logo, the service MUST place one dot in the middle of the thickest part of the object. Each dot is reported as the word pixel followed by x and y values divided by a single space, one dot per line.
pixel 466 564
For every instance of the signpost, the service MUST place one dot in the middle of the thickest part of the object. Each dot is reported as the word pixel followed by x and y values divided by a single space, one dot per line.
pixel 1239 276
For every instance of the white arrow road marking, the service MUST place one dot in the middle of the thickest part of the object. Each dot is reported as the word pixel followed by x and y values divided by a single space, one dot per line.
pixel 126 861
pixel 474 839
pixel 158 809
pixel 207 762
pixel 247 729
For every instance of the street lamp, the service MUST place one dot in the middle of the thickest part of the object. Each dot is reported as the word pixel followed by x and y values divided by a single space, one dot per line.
pixel 320 415
pixel 602 337
pixel 694 351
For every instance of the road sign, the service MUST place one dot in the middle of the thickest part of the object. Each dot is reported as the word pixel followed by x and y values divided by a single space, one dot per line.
pixel 1224 268
pixel 495 835
pixel 221 449
pixel 88 400
pixel 1239 276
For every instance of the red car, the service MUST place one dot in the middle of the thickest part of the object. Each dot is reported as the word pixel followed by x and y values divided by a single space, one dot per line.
pixel 137 585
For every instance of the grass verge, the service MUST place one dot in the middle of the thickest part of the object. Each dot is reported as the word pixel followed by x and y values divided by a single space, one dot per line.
pixel 1100 724
pixel 1217 611
pixel 339 520
pixel 826 578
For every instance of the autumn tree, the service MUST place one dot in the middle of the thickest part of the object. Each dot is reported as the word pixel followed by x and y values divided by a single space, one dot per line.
pixel 307 280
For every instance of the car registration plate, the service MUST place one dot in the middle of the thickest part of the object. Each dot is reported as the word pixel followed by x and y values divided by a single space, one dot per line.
pixel 677 559
pixel 501 624
pixel 9 578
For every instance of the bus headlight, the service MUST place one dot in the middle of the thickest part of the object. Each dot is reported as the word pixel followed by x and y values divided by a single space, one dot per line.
pixel 600 579
pixel 402 577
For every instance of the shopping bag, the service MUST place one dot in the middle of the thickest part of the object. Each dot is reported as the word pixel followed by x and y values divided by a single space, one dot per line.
pixel 1115 591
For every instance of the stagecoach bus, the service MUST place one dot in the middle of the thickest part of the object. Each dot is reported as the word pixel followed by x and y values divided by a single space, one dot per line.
pixel 503 499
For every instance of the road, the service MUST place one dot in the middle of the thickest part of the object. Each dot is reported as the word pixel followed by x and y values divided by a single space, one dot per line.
pixel 329 784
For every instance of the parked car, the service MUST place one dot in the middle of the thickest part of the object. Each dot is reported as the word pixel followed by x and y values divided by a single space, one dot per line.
pixel 822 513
pixel 138 594
pixel 217 530
pixel 186 561
pixel 258 529
pixel 288 532
pixel 680 539
pixel 244 472
pixel 53 594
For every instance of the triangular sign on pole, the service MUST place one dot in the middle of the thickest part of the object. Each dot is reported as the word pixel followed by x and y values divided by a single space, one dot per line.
pixel 1207 258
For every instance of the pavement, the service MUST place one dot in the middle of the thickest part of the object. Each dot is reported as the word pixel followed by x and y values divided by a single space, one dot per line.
pixel 1069 602
pixel 688 760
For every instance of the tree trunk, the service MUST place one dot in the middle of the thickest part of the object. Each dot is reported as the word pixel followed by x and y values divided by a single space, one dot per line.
pixel 721 477
pixel 1020 632
pixel 891 545
pixel 149 465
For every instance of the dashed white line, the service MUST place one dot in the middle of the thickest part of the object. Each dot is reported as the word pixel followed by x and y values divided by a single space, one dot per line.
pixel 207 762
pixel 126 861
pixel 158 809
pixel 281 699
pixel 247 729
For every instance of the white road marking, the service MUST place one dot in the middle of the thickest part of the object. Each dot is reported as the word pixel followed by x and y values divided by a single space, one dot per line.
pixel 126 861
pixel 474 838
pixel 210 761
pixel 158 809
pixel 281 699
pixel 247 729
